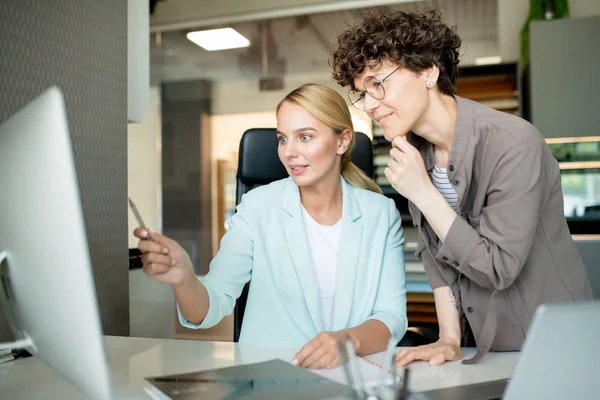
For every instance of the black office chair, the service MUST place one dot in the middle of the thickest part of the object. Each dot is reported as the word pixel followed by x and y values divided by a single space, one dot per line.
pixel 259 164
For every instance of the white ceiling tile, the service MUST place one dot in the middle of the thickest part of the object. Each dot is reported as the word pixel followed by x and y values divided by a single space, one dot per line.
pixel 301 45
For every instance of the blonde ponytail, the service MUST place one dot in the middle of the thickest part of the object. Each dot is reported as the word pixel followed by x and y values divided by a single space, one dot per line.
pixel 356 177
pixel 329 107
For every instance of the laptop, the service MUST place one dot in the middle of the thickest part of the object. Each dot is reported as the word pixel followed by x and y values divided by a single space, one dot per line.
pixel 559 360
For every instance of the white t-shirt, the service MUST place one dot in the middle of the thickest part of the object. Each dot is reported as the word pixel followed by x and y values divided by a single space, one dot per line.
pixel 324 243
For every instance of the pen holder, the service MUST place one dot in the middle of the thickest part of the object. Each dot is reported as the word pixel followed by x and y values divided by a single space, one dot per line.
pixel 389 389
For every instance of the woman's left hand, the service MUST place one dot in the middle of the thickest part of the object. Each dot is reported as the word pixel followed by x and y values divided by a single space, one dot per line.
pixel 406 170
pixel 321 352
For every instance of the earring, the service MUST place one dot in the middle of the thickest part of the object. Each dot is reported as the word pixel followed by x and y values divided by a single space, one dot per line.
pixel 430 84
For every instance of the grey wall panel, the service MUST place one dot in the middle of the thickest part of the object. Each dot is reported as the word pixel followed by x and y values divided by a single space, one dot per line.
pixel 590 253
pixel 80 46
pixel 565 57
pixel 186 168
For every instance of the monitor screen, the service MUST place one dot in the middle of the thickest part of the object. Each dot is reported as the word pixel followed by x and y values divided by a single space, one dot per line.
pixel 47 289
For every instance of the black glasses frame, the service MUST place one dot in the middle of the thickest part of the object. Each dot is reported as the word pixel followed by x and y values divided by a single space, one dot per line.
pixel 378 82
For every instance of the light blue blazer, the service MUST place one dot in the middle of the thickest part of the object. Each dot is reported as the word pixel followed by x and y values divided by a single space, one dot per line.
pixel 267 242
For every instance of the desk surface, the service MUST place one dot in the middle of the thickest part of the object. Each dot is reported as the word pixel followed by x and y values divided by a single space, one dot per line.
pixel 133 359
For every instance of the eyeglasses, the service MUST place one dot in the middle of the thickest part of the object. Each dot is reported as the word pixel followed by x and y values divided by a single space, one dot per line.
pixel 373 87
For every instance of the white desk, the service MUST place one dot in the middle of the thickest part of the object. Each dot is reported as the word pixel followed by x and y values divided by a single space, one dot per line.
pixel 133 359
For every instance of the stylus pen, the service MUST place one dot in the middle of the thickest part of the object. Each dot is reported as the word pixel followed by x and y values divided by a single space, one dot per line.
pixel 137 215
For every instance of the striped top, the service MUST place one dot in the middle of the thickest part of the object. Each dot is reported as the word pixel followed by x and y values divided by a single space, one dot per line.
pixel 440 180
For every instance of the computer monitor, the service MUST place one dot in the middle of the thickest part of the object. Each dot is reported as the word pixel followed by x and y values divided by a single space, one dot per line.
pixel 46 284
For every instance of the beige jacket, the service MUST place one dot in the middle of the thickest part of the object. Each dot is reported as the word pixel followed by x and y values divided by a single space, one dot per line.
pixel 509 240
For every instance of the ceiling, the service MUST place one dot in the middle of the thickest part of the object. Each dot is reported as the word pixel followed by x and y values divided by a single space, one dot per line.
pixel 301 44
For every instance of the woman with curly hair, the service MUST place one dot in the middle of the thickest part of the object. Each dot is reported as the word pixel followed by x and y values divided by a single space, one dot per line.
pixel 484 191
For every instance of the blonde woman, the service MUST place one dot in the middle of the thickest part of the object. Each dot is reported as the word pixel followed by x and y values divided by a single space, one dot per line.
pixel 323 247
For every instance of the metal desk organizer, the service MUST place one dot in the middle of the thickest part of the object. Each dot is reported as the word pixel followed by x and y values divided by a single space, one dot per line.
pixel 390 385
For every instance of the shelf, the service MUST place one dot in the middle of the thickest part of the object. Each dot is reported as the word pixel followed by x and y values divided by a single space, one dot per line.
pixel 494 86
pixel 420 298
pixel 420 318
pixel 420 308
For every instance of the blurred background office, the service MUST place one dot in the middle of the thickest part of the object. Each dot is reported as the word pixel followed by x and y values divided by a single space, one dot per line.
pixel 175 152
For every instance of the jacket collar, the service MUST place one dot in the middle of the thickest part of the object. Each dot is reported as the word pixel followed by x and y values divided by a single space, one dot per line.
pixel 463 134
pixel 463 130
pixel 293 206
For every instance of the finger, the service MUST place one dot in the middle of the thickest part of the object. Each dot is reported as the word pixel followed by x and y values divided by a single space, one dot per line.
pixel 437 359
pixel 324 360
pixel 140 233
pixel 401 143
pixel 148 246
pixel 396 154
pixel 402 352
pixel 388 173
pixel 393 165
pixel 162 239
pixel 149 258
pixel 320 357
pixel 312 353
pixel 418 353
pixel 446 353
pixel 405 359
pixel 391 176
pixel 154 269
pixel 305 351
pixel 452 353
pixel 334 364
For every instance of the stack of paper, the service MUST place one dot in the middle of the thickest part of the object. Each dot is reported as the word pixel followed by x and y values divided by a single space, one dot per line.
pixel 370 372
pixel 6 356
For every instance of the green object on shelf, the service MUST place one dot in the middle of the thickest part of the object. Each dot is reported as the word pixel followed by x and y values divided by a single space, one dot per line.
pixel 541 10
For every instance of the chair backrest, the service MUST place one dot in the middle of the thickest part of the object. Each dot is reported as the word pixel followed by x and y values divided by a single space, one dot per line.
pixel 258 164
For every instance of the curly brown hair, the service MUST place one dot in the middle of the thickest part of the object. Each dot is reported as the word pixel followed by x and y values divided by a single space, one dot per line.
pixel 413 41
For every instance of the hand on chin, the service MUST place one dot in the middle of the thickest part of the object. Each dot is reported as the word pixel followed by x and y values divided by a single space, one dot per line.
pixel 390 131
pixel 390 135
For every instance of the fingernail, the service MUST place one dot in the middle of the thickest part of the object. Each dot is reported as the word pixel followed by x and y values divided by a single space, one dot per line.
pixel 294 362
pixel 173 262
pixel 165 250
pixel 144 234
